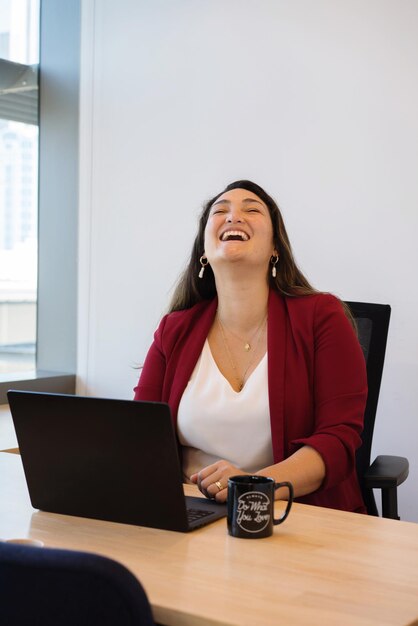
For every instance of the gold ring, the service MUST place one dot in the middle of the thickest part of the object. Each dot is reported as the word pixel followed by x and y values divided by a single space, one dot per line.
pixel 219 485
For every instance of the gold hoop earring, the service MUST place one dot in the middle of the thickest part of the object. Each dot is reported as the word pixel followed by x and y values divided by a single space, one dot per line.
pixel 203 264
pixel 274 260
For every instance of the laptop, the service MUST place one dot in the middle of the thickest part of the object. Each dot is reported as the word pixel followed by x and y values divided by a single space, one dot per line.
pixel 114 460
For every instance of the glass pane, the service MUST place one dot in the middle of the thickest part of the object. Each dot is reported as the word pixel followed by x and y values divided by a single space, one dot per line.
pixel 18 244
pixel 19 31
pixel 19 39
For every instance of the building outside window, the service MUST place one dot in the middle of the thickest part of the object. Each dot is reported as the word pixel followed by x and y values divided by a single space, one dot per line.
pixel 19 57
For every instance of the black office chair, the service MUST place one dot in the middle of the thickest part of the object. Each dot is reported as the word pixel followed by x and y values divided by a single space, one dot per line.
pixel 386 472
pixel 49 587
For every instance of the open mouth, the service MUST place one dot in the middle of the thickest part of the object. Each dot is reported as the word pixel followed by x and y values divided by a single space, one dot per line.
pixel 234 235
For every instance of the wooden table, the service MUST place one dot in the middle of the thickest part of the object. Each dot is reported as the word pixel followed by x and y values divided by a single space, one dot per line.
pixel 321 567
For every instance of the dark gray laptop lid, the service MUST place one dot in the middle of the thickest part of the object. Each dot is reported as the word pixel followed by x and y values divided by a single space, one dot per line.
pixel 115 460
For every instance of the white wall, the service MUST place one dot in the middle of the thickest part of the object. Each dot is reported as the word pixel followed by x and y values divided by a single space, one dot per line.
pixel 315 101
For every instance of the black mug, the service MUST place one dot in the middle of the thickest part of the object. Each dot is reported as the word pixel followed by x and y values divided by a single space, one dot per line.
pixel 251 506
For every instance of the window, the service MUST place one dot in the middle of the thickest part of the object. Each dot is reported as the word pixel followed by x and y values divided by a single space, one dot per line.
pixel 52 258
pixel 19 44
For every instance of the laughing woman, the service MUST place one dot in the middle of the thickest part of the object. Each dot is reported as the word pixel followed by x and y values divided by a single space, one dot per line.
pixel 263 374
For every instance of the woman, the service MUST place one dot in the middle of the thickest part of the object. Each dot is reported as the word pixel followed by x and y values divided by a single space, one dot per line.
pixel 263 374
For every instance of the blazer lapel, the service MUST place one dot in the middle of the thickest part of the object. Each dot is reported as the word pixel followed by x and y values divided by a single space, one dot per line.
pixel 276 346
pixel 190 351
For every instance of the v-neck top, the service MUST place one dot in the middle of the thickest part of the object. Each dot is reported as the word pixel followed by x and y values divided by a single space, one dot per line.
pixel 216 422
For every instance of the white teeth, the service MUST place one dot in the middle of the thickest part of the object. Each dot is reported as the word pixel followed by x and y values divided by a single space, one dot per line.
pixel 234 233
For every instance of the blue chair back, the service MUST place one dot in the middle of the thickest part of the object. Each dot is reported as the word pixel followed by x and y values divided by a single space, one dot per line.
pixel 50 587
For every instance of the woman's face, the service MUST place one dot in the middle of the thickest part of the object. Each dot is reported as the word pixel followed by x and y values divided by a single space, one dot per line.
pixel 239 228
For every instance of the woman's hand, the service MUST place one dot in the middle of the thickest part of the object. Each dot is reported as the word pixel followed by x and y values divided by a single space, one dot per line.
pixel 213 479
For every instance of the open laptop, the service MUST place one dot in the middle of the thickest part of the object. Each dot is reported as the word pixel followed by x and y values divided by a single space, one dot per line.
pixel 115 460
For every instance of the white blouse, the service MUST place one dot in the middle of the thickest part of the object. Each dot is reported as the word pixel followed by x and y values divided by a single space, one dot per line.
pixel 215 422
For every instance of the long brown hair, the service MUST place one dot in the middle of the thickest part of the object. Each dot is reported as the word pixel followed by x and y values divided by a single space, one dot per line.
pixel 289 280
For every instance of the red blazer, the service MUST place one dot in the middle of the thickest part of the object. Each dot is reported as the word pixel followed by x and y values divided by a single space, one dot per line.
pixel 317 382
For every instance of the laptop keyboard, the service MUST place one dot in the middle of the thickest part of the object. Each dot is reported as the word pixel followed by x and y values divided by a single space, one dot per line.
pixel 194 515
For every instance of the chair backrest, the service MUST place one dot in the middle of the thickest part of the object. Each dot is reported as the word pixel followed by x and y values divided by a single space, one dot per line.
pixel 49 587
pixel 373 325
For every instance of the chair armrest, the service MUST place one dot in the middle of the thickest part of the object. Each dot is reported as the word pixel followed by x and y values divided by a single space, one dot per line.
pixel 386 472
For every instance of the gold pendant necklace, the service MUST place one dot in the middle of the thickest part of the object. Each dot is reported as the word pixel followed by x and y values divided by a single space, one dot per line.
pixel 247 344
pixel 241 380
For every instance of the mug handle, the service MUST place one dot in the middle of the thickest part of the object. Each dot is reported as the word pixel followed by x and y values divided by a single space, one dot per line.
pixel 289 501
